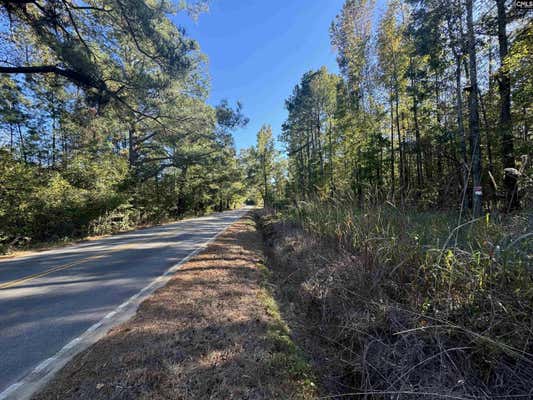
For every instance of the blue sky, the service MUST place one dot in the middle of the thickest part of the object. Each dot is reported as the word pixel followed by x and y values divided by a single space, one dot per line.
pixel 258 51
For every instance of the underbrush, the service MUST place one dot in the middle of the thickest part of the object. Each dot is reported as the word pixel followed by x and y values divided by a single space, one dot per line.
pixel 410 305
pixel 90 195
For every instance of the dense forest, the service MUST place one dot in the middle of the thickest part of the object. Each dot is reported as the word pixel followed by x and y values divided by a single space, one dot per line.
pixel 104 123
pixel 431 108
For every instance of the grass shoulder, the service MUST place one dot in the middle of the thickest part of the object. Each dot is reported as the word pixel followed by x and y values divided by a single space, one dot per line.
pixel 286 357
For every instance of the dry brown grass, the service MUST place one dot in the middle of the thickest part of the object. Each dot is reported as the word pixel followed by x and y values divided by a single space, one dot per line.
pixel 212 333
pixel 366 323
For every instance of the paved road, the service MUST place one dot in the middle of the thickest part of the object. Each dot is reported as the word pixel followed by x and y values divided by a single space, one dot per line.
pixel 49 298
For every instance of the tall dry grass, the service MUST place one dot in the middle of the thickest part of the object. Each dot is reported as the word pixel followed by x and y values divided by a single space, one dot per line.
pixel 414 304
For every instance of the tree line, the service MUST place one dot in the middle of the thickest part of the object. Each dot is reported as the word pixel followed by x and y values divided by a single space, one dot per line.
pixel 104 120
pixel 431 107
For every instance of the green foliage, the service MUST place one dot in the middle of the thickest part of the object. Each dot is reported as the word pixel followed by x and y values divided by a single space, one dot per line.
pixel 48 205
pixel 393 126
pixel 93 45
pixel 264 171
pixel 15 207
pixel 310 134
pixel 104 123
pixel 264 151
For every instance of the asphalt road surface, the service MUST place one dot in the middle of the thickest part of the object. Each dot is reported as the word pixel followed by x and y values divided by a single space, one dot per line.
pixel 51 297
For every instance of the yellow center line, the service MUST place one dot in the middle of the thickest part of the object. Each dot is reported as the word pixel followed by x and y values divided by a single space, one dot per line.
pixel 61 267
pixel 47 272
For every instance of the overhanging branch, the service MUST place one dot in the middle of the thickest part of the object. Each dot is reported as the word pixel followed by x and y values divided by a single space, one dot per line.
pixel 70 74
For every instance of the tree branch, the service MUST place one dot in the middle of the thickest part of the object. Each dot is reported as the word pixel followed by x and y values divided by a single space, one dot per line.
pixel 74 76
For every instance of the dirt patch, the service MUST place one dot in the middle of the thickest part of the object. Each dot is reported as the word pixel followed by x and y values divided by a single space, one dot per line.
pixel 214 332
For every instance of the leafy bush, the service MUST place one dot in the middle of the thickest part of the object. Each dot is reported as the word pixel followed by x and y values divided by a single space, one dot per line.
pixel 17 183
pixel 46 205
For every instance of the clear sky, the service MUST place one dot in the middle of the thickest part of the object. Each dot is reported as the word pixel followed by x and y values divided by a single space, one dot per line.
pixel 258 50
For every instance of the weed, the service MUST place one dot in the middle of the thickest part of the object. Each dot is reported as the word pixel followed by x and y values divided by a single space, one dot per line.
pixel 412 301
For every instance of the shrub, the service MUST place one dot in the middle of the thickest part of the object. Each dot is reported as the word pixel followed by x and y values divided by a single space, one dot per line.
pixel 46 205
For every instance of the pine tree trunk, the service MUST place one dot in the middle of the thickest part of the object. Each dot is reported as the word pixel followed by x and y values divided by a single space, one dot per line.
pixel 265 182
pixel 54 130
pixel 487 134
pixel 460 123
pixel 132 152
pixel 11 139
pixel 505 125
pixel 392 175
pixel 419 173
pixel 22 146
pixel 477 196
pixel 398 132
pixel 331 171
pixel 319 148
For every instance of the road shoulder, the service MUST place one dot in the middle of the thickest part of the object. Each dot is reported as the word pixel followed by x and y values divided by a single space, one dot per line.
pixel 213 331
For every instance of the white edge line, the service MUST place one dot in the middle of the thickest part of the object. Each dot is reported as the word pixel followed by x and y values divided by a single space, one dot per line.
pixel 40 374
pixel 110 315
pixel 44 364
pixel 71 344
pixel 10 390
